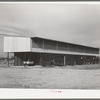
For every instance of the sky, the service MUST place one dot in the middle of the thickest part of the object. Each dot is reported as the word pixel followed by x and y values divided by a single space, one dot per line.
pixel 75 23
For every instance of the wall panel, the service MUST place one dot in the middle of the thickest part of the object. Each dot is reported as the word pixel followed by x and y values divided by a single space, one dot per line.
pixel 17 44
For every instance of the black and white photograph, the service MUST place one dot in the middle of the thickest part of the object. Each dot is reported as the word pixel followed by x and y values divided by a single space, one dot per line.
pixel 50 45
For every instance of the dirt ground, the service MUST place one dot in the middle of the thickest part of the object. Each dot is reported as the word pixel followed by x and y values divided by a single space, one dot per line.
pixel 38 77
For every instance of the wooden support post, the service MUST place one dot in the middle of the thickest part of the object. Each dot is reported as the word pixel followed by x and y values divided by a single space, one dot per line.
pixel 43 44
pixel 8 59
pixel 98 60
pixel 40 59
pixel 57 45
pixel 14 59
pixel 64 60
pixel 68 47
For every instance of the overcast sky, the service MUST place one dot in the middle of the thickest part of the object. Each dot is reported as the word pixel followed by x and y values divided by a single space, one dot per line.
pixel 76 23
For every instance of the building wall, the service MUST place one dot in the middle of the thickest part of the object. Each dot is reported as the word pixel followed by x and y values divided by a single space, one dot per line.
pixel 60 46
pixel 23 44
pixel 37 43
pixel 22 48
pixel 48 59
pixel 17 44
pixel 50 45
pixel 20 57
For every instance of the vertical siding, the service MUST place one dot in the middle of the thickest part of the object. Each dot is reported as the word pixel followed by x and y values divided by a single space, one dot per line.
pixel 16 44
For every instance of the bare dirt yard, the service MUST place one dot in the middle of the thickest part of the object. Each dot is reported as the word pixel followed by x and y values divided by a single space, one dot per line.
pixel 38 77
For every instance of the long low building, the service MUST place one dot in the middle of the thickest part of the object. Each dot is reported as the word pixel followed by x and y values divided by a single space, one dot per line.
pixel 46 52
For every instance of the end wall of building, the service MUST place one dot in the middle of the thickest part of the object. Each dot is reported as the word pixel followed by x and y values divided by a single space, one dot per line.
pixel 17 44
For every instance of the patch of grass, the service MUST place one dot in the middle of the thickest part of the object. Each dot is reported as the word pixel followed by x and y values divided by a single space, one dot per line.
pixel 38 77
pixel 88 67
